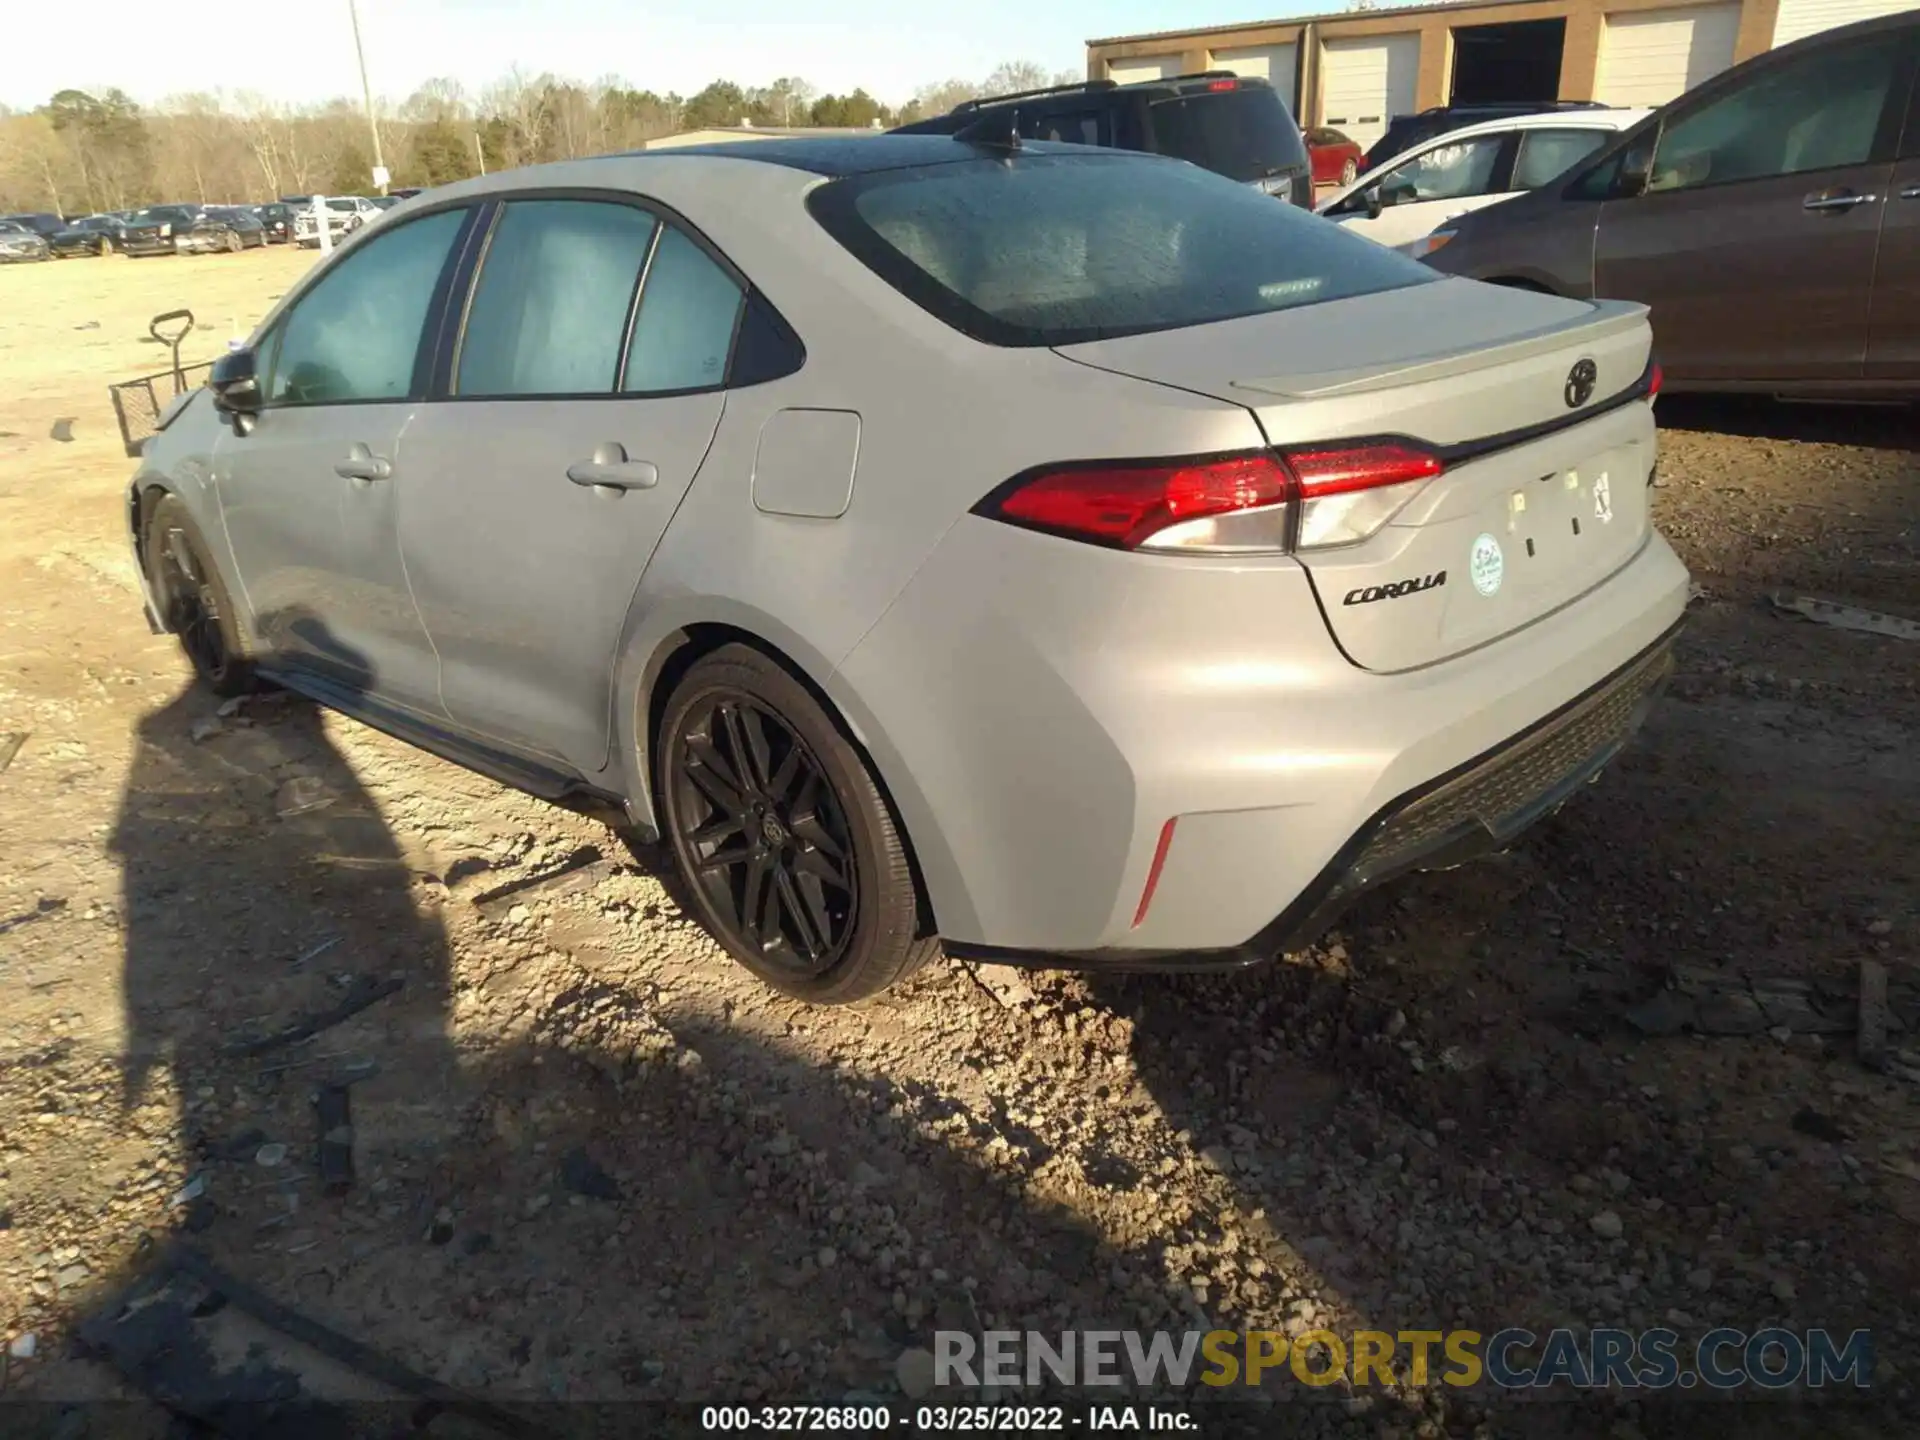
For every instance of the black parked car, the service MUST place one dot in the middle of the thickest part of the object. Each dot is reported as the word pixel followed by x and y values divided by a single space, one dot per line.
pixel 1233 125
pixel 18 244
pixel 42 223
pixel 277 220
pixel 89 235
pixel 153 231
pixel 1406 131
pixel 240 222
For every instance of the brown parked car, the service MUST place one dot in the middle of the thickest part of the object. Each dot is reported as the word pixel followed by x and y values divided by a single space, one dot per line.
pixel 1770 218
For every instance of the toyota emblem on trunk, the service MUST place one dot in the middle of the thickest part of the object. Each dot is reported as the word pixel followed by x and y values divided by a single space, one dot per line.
pixel 1580 382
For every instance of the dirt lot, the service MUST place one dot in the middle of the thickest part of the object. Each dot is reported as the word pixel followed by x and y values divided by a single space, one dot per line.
pixel 594 1161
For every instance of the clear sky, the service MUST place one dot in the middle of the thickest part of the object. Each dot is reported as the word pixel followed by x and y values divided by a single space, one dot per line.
pixel 304 51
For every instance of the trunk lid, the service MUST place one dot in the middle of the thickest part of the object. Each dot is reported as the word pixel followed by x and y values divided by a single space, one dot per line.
pixel 1535 507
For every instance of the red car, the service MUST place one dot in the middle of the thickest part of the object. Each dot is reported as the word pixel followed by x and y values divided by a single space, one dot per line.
pixel 1336 159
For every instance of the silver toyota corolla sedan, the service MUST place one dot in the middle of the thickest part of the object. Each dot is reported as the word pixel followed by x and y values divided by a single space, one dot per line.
pixel 1054 554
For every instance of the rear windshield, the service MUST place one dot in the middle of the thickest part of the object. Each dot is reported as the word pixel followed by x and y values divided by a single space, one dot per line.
pixel 1059 249
pixel 1242 134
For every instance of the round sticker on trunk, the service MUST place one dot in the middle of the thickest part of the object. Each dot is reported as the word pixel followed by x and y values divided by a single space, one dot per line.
pixel 1486 565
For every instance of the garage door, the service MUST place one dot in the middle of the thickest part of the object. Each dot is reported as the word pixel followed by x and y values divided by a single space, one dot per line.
pixel 1143 67
pixel 1273 63
pixel 1367 82
pixel 1800 18
pixel 1650 57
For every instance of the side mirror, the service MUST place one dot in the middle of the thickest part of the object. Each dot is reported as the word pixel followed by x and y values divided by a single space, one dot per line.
pixel 1636 170
pixel 236 388
pixel 1370 200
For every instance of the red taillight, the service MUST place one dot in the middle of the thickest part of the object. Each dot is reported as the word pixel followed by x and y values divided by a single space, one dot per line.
pixel 1655 378
pixel 1125 504
pixel 1338 471
pixel 1224 85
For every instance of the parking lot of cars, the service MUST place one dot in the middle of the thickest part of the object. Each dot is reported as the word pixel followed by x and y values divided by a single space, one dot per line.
pixel 177 229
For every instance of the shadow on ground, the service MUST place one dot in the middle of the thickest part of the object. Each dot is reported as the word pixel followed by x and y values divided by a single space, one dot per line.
pixel 563 1188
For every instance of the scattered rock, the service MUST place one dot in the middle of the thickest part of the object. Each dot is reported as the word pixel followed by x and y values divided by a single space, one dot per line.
pixel 1820 1127
pixel 301 795
pixel 1606 1224
pixel 914 1371
pixel 27 1345
pixel 271 1154
pixel 581 1174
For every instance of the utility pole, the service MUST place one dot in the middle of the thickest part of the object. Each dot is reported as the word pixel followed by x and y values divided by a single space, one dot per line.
pixel 380 176
pixel 479 154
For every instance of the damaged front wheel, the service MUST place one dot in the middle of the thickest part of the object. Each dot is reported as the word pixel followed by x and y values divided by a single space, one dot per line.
pixel 193 600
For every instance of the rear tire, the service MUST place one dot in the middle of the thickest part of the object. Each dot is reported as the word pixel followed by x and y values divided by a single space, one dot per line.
pixel 193 600
pixel 786 846
pixel 1349 172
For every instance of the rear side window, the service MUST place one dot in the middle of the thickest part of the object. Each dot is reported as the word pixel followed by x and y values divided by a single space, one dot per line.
pixel 1244 134
pixel 1053 250
pixel 1074 127
pixel 1547 154
pixel 549 312
pixel 689 310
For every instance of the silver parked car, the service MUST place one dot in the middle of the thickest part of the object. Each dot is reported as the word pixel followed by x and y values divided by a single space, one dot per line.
pixel 1050 552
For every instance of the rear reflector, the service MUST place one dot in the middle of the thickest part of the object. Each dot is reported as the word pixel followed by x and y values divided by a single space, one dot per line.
pixel 1656 377
pixel 1153 871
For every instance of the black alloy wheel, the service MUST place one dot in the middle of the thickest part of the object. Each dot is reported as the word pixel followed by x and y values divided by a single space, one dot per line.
pixel 788 848
pixel 770 845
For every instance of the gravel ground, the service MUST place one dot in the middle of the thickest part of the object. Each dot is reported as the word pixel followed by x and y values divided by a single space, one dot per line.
pixel 596 1161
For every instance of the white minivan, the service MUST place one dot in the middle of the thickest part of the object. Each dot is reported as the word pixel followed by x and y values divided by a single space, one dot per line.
pixel 1402 202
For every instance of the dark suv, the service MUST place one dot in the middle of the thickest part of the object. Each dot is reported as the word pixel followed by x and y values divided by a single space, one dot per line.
pixel 1233 125
pixel 1407 131
pixel 43 224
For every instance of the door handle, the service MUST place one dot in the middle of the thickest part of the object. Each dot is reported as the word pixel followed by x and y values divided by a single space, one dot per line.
pixel 362 464
pixel 611 471
pixel 1829 200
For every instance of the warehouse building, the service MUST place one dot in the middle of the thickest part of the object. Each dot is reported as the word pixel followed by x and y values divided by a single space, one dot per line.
pixel 1356 70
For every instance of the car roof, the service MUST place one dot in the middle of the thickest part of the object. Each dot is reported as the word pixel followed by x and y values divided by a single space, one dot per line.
pixel 836 157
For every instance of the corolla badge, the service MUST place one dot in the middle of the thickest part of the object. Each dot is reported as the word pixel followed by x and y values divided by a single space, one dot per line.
pixel 1581 381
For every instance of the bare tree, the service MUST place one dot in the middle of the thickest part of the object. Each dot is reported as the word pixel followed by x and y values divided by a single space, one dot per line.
pixel 520 103
pixel 1012 75
pixel 36 169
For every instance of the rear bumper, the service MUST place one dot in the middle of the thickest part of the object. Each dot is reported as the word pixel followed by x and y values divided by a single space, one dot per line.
pixel 1040 710
pixel 1480 806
